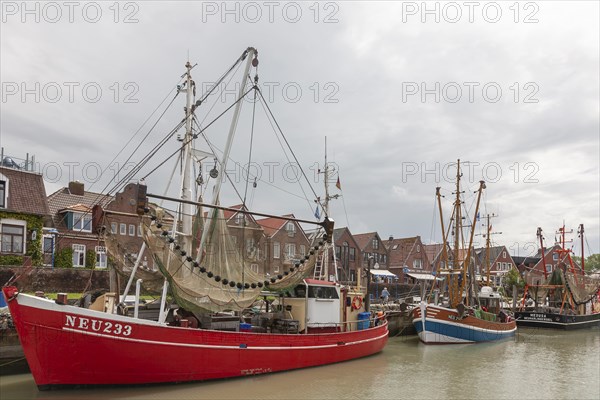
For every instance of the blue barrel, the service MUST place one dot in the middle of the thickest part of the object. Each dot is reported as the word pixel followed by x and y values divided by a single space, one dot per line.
pixel 2 301
pixel 363 320
pixel 244 327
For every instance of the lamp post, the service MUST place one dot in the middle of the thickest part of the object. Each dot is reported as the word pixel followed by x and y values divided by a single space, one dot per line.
pixel 368 296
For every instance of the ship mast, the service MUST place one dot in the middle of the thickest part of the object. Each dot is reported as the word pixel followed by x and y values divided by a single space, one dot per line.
pixel 186 190
pixel 326 172
pixel 454 294
pixel 541 237
pixel 582 252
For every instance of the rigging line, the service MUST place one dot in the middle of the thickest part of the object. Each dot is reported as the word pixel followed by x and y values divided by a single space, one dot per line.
pixel 142 163
pixel 286 141
pixel 216 99
pixel 138 130
pixel 345 212
pixel 236 63
pixel 265 107
pixel 213 148
pixel 200 132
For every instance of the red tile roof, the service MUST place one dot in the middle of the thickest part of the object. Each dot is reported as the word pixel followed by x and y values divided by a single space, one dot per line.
pixel 272 225
pixel 363 239
pixel 62 200
pixel 26 192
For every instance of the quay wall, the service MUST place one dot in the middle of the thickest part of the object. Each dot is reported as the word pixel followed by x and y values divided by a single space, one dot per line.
pixel 54 280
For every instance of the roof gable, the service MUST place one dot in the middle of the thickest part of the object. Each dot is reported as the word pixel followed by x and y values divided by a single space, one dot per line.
pixel 26 192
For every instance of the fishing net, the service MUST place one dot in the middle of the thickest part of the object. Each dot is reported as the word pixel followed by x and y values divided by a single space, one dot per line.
pixel 582 287
pixel 223 280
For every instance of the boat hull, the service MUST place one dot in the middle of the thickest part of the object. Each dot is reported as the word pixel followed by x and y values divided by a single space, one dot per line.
pixel 439 325
pixel 67 345
pixel 536 319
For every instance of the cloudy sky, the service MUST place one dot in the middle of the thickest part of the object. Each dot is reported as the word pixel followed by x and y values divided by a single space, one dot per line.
pixel 401 90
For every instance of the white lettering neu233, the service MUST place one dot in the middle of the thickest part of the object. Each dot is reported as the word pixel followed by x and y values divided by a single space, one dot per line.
pixel 96 325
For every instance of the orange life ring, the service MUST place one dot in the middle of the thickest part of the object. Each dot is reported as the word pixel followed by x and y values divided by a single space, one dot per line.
pixel 357 302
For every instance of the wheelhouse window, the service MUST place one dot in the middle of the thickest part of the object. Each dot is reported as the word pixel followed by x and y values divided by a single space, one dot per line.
pixel 79 255
pixel 13 239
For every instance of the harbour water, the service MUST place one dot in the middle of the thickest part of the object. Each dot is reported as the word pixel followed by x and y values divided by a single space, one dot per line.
pixel 536 364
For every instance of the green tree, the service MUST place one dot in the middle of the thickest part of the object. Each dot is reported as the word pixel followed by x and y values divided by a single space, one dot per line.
pixel 592 263
pixel 511 278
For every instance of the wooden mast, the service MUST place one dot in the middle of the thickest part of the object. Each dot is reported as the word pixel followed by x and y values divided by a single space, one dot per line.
pixel 541 237
pixel 467 261
pixel 455 298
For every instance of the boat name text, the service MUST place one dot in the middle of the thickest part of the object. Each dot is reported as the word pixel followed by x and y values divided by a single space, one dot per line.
pixel 96 325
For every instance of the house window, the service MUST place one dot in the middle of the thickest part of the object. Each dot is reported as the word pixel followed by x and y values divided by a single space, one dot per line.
pixel 82 222
pixel 254 268
pixel 123 229
pixel 131 230
pixel 140 230
pixel 113 228
pixel 555 257
pixel 291 229
pixel 302 250
pixel 79 255
pixel 549 267
pixel 100 257
pixel 276 269
pixel 352 254
pixel 375 244
pixel 338 252
pixel 503 254
pixel 418 248
pixel 498 266
pixel 276 250
pixel 239 219
pixel 442 264
pixel 417 264
pixel 2 194
pixel 13 238
pixel 290 250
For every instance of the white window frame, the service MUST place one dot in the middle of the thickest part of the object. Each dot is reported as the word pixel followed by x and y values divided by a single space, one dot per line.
pixel 101 257
pixel 123 229
pixel 555 257
pixel 375 244
pixel 290 250
pixel 254 268
pixel 82 220
pixel 276 269
pixel 417 263
pixel 276 250
pixel 4 193
pixel 114 228
pixel 78 249
pixel 19 223
pixel 302 250
pixel 291 229
pixel 131 230
pixel 139 230
pixel 498 266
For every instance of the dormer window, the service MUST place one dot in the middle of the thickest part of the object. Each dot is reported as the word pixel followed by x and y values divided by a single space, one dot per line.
pixel 80 222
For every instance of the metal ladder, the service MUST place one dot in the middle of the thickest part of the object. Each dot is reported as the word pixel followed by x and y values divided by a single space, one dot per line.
pixel 318 272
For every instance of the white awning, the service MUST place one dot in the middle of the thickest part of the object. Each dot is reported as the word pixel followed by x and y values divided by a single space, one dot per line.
pixel 423 277
pixel 382 272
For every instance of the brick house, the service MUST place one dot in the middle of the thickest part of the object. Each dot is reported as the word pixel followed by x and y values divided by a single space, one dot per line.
pixel 23 215
pixel 501 263
pixel 285 243
pixel 249 237
pixel 406 256
pixel 553 258
pixel 77 244
pixel 372 247
pixel 435 255
pixel 347 254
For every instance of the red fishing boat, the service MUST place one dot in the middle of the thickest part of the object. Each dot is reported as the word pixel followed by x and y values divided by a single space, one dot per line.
pixel 228 319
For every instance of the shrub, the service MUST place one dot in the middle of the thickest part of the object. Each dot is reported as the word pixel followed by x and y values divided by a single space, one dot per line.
pixel 64 258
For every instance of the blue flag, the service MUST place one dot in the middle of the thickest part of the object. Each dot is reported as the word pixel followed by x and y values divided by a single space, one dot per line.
pixel 317 213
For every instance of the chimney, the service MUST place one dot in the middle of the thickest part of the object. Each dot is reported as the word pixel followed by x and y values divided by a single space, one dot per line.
pixel 391 238
pixel 76 188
